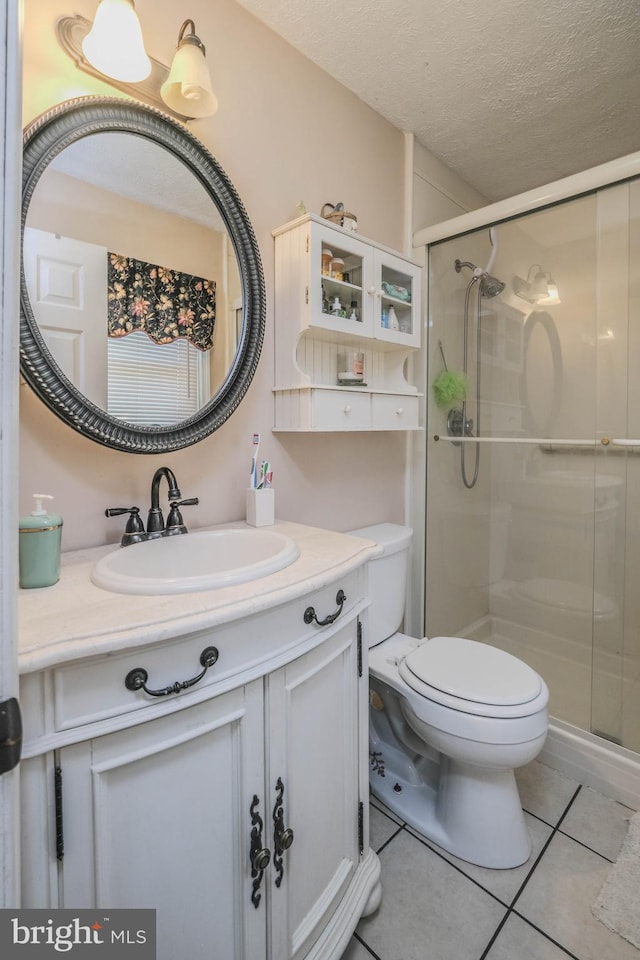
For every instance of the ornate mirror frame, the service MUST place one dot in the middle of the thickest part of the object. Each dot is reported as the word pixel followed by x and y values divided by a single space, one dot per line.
pixel 44 139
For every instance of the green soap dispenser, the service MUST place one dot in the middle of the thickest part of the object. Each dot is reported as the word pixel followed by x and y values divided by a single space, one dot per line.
pixel 40 540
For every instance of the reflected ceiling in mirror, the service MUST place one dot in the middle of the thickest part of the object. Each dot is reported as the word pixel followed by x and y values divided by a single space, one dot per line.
pixel 108 180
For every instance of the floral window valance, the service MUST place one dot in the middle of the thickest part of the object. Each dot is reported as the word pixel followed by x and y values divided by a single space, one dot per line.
pixel 165 303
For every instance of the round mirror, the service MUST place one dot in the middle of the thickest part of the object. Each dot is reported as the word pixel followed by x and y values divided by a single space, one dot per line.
pixel 142 294
pixel 541 381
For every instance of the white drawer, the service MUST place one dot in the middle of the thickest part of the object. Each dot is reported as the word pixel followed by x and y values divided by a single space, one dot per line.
pixel 394 412
pixel 341 410
pixel 94 689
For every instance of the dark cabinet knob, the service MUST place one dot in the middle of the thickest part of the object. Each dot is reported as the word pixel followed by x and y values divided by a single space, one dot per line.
pixel 261 859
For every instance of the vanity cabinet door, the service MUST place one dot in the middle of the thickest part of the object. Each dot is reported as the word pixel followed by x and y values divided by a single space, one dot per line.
pixel 312 765
pixel 159 816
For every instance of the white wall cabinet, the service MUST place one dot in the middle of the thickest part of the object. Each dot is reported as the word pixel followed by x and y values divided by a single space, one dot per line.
pixel 338 292
pixel 237 808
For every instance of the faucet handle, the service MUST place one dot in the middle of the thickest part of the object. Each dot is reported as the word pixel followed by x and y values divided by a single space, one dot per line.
pixel 134 530
pixel 175 523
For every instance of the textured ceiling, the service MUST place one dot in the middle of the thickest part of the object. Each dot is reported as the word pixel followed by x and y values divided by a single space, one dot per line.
pixel 510 94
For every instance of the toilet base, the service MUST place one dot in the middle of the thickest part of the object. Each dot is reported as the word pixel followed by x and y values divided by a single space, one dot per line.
pixel 472 812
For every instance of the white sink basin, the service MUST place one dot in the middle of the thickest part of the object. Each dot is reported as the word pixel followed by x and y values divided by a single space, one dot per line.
pixel 195 561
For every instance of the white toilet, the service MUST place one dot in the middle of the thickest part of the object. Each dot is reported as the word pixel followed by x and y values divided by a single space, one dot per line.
pixel 450 720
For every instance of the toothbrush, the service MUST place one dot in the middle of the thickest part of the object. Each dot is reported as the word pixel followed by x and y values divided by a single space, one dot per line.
pixel 254 460
pixel 265 475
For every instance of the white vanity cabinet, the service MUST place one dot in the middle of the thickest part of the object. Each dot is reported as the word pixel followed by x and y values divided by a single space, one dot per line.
pixel 336 293
pixel 236 808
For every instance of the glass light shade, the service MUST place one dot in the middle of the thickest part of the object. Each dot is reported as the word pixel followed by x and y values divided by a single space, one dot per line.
pixel 187 89
pixel 114 45
pixel 538 289
pixel 552 295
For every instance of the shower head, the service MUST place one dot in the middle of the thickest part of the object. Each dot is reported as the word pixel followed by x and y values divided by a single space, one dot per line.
pixel 490 286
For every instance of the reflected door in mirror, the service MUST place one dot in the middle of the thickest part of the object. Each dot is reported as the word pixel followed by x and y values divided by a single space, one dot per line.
pixel 67 284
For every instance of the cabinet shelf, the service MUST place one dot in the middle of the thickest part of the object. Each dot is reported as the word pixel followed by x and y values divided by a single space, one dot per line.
pixel 310 341
pixel 340 284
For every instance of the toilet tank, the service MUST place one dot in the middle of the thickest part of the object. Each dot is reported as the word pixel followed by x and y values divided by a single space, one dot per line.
pixel 387 578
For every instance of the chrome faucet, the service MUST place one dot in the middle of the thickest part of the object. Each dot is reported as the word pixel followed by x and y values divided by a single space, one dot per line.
pixel 134 530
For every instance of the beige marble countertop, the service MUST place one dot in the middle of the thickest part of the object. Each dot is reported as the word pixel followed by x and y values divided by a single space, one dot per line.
pixel 74 618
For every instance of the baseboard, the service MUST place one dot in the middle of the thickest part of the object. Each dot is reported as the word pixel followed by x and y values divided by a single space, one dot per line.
pixel 594 762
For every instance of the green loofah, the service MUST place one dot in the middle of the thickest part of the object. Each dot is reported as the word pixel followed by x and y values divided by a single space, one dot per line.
pixel 449 389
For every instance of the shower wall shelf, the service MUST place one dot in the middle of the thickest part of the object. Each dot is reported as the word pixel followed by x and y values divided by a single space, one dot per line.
pixel 367 302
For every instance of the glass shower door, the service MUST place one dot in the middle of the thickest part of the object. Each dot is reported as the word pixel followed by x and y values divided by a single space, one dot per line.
pixel 541 557
pixel 616 638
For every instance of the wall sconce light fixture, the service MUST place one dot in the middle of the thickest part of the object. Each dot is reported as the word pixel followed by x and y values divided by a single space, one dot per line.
pixel 185 91
pixel 539 287
pixel 114 44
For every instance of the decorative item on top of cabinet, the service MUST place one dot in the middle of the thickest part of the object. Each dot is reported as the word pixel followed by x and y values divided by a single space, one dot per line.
pixel 335 291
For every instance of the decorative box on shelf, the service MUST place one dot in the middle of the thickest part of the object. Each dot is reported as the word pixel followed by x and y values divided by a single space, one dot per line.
pixel 347 319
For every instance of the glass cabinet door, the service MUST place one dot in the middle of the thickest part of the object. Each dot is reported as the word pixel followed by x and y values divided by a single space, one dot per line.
pixel 397 308
pixel 340 277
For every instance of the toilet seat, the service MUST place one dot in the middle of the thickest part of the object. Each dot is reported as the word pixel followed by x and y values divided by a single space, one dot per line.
pixel 473 677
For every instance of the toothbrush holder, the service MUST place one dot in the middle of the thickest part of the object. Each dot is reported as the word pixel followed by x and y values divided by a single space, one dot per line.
pixel 260 506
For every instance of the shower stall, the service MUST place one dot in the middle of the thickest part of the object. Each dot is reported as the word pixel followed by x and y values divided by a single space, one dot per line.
pixel 532 513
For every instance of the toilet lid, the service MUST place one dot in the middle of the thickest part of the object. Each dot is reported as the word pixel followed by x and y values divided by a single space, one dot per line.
pixel 474 671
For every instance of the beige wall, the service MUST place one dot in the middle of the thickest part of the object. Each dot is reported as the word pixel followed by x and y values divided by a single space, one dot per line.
pixel 82 211
pixel 438 193
pixel 285 132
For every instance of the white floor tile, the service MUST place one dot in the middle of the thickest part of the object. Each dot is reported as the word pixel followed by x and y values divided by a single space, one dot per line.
pixel 355 951
pixel 519 941
pixel 385 809
pixel 504 884
pixel 381 827
pixel 558 900
pixel 438 907
pixel 598 822
pixel 428 908
pixel 544 792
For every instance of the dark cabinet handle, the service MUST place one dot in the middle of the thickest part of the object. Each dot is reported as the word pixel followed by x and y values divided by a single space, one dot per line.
pixel 310 613
pixel 259 856
pixel 282 836
pixel 137 678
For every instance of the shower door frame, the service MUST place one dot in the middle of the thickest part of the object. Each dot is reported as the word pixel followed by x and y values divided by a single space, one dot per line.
pixel 577 752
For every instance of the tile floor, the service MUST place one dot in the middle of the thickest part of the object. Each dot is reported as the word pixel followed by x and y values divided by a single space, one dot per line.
pixel 436 907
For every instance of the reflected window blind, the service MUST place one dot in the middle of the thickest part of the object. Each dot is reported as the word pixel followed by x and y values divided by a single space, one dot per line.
pixel 154 385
